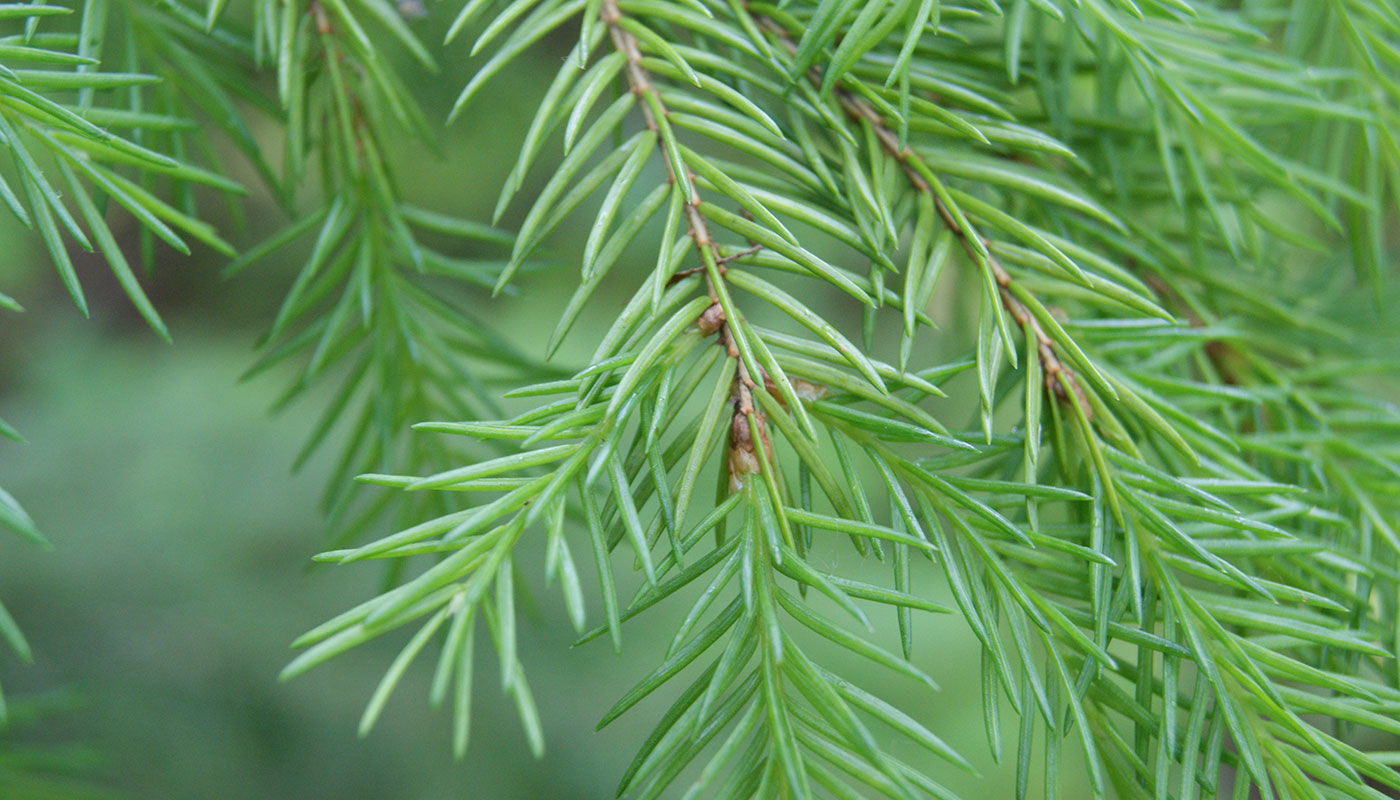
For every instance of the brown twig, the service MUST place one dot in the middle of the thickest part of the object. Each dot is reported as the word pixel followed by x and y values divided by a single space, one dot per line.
pixel 741 254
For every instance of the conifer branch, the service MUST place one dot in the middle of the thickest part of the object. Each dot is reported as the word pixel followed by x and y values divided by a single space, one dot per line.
pixel 914 169
pixel 743 459
pixel 368 309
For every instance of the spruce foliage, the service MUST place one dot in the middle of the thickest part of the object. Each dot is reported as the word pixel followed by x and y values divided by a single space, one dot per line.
pixel 1170 225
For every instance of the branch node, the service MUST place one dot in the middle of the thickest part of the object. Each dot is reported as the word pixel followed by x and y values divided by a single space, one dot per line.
pixel 711 320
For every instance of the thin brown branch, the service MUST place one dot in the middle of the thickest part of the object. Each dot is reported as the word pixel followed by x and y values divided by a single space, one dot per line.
pixel 741 254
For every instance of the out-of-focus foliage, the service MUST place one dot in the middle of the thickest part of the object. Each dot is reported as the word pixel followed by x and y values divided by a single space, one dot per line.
pixel 41 769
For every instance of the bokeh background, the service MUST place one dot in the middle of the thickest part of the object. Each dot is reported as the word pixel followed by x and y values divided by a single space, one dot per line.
pixel 181 570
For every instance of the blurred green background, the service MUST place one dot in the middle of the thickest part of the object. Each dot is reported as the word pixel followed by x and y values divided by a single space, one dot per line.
pixel 181 569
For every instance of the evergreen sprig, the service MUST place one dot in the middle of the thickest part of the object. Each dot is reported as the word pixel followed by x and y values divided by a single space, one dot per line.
pixel 92 128
pixel 368 308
